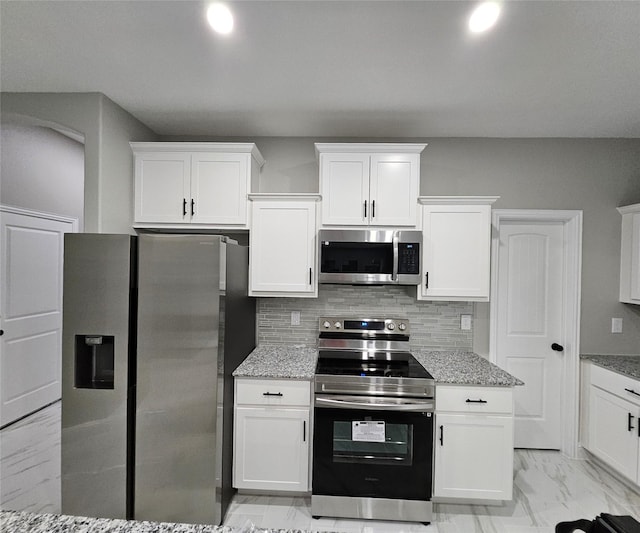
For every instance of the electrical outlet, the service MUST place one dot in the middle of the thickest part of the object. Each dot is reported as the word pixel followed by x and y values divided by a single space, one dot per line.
pixel 295 318
pixel 465 322
pixel 616 325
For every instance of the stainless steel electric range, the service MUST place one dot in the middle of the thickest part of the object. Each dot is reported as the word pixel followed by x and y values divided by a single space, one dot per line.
pixel 373 423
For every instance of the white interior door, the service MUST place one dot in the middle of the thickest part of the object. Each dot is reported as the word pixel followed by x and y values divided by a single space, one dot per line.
pixel 529 320
pixel 30 312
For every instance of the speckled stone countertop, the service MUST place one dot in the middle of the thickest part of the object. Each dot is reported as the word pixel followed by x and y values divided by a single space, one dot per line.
pixel 629 365
pixel 299 362
pixel 14 522
pixel 279 361
pixel 464 368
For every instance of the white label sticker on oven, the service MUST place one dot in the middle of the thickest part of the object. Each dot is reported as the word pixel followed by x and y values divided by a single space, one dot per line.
pixel 367 431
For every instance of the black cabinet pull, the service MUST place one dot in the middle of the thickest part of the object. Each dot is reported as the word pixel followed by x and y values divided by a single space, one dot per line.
pixel 373 209
pixel 184 207
pixel 272 394
pixel 1 332
pixel 632 392
pixel 476 401
pixel 304 431
pixel 365 209
pixel 426 280
pixel 629 420
pixel 441 435
pixel 193 206
pixel 310 272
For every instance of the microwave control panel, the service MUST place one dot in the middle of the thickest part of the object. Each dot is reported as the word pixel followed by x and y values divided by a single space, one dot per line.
pixel 408 258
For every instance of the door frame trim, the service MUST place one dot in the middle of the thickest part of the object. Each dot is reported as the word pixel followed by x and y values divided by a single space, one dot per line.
pixel 571 280
pixel 41 214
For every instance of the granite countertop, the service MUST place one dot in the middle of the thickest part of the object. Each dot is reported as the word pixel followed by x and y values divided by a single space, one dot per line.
pixel 299 362
pixel 464 368
pixel 279 361
pixel 15 522
pixel 629 365
pixel 20 522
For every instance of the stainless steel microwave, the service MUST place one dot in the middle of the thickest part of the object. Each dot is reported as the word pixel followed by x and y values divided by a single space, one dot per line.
pixel 370 257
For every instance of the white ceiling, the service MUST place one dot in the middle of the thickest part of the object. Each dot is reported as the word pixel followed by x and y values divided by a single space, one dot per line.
pixel 338 68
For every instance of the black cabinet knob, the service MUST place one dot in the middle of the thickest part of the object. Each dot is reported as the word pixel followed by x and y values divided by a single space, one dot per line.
pixel 1 332
pixel 557 347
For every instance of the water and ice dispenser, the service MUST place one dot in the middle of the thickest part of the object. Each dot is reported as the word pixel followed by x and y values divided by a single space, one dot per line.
pixel 94 361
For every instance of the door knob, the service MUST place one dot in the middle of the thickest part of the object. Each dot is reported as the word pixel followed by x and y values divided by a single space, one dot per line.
pixel 557 347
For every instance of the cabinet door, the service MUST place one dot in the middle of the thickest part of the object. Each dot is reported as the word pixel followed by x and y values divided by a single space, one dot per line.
pixel 162 187
pixel 613 431
pixel 219 187
pixel 635 258
pixel 282 248
pixel 344 185
pixel 457 246
pixel 473 457
pixel 271 449
pixel 393 189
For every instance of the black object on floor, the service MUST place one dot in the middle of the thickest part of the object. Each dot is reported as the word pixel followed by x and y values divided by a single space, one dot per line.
pixel 605 523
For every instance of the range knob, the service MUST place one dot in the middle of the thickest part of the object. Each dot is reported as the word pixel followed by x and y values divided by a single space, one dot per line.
pixel 326 324
pixel 337 325
pixel 391 326
pixel 402 326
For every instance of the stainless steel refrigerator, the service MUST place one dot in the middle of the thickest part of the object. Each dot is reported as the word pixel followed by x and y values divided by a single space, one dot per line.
pixel 153 326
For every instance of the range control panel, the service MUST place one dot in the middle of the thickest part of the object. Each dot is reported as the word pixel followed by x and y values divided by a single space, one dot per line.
pixel 372 326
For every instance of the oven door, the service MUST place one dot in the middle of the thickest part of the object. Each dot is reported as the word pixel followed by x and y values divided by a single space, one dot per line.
pixel 372 451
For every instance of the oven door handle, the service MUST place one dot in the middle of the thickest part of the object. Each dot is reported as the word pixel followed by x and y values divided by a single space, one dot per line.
pixel 374 406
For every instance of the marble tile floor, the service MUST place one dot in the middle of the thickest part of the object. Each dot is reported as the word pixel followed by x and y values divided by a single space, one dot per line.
pixel 548 488
pixel 30 463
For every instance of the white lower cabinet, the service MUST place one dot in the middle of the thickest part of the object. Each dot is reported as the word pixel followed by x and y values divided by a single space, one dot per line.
pixel 473 443
pixel 613 432
pixel 271 434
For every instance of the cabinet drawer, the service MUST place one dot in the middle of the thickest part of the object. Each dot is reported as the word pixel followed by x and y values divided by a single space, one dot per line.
pixel 272 392
pixel 622 386
pixel 467 399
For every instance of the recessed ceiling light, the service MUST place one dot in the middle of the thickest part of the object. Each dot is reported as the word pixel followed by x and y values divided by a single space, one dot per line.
pixel 484 16
pixel 220 18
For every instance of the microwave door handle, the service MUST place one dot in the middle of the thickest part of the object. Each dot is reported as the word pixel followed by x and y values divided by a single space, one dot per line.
pixel 394 275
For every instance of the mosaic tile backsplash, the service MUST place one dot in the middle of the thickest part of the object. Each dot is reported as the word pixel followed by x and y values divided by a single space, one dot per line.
pixel 434 325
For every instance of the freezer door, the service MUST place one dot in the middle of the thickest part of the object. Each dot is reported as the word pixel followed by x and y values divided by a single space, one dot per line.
pixel 98 301
pixel 178 317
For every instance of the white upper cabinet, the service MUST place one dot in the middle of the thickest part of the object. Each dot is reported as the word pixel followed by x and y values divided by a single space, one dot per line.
pixel 630 254
pixel 282 246
pixel 369 184
pixel 456 243
pixel 194 184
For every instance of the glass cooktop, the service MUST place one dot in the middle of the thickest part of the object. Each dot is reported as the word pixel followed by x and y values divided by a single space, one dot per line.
pixel 370 364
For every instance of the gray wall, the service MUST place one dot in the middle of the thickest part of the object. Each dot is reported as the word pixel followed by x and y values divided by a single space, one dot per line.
pixel 593 175
pixel 41 169
pixel 108 166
